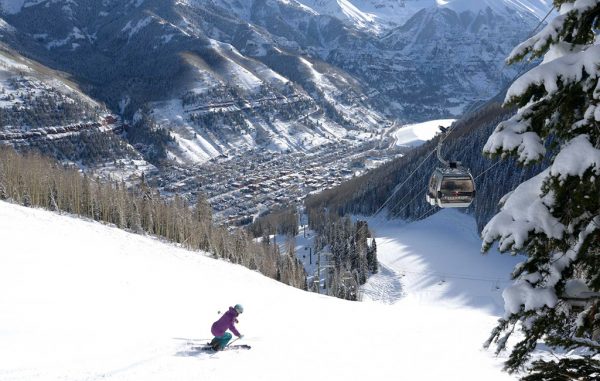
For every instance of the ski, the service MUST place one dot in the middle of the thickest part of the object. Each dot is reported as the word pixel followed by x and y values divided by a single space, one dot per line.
pixel 208 348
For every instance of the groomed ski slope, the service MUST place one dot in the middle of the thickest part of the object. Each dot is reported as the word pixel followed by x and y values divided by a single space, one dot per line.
pixel 83 301
pixel 413 135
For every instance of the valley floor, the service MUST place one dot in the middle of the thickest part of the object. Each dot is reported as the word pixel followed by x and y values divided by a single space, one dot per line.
pixel 83 301
pixel 247 183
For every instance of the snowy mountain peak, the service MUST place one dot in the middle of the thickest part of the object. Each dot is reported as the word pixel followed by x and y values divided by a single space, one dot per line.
pixel 11 6
pixel 537 7
pixel 378 15
pixel 371 15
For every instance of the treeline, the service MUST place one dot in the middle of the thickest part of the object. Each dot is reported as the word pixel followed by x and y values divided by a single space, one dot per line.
pixel 34 180
pixel 364 195
pixel 43 110
pixel 348 250
pixel 216 121
pixel 87 147
pixel 352 248
pixel 268 110
pixel 282 222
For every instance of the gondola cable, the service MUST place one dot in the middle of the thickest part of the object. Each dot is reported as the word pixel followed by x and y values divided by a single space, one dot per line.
pixel 446 134
pixel 398 187
pixel 421 193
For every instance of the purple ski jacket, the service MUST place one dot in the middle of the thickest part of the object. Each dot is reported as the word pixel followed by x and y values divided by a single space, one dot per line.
pixel 225 322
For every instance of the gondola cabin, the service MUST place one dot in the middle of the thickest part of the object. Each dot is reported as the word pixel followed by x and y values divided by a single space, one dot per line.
pixel 451 187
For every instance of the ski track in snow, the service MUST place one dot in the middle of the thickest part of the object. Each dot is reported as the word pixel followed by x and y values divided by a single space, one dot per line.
pixel 385 286
pixel 438 260
pixel 87 302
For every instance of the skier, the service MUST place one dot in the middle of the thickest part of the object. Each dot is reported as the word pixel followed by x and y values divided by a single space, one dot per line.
pixel 220 327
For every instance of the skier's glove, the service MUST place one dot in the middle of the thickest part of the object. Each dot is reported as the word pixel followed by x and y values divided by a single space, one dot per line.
pixel 241 336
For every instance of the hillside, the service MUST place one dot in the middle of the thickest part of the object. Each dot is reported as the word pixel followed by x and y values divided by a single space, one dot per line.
pixel 387 185
pixel 87 301
pixel 226 77
pixel 42 108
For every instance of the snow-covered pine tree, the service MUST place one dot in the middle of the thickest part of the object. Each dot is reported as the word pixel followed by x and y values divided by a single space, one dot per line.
pixel 554 218
pixel 372 257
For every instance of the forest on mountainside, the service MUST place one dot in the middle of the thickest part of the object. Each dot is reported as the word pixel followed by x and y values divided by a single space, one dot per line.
pixel 36 181
pixel 364 195
pixel 349 247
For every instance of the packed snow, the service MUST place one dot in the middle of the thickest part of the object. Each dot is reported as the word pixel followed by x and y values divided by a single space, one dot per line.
pixel 438 261
pixel 85 301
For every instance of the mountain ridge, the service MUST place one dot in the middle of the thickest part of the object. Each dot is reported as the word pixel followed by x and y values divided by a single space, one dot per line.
pixel 224 76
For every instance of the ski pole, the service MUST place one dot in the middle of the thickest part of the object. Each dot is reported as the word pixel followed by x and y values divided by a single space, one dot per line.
pixel 233 341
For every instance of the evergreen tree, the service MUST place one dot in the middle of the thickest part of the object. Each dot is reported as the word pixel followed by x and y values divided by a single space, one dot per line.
pixel 554 218
pixel 3 193
pixel 372 257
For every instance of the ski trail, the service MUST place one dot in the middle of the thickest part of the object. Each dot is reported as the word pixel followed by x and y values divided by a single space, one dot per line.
pixel 194 350
pixel 385 286
pixel 156 355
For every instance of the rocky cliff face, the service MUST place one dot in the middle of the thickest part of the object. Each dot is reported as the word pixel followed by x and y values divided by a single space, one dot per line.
pixel 441 61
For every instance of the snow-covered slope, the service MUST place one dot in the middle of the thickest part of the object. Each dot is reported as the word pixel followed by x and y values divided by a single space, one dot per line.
pixel 537 7
pixel 11 6
pixel 86 301
pixel 416 134
pixel 23 82
pixel 371 15
pixel 438 261
pixel 45 108
pixel 227 75
pixel 205 70
pixel 360 12
pixel 379 15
